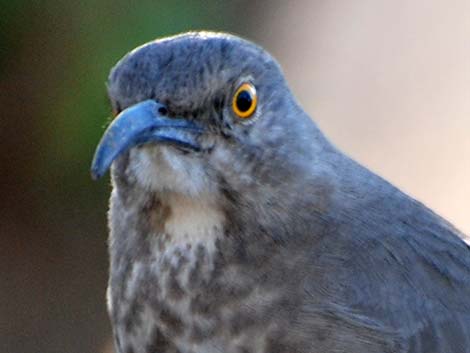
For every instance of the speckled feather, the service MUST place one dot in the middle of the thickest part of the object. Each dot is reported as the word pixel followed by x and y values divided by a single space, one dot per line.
pixel 271 240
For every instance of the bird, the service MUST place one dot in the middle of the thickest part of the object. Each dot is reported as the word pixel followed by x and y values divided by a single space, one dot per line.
pixel 237 226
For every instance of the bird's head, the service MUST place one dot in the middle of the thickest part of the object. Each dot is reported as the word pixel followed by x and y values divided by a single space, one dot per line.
pixel 203 112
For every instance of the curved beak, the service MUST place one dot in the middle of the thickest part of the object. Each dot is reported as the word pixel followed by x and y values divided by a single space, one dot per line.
pixel 140 124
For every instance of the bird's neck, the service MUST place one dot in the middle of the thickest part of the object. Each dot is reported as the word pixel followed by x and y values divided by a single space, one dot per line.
pixel 164 221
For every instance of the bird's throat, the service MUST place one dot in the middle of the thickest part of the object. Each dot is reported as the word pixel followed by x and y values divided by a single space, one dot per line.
pixel 192 220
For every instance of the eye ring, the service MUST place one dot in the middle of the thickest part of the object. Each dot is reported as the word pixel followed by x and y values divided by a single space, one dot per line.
pixel 244 101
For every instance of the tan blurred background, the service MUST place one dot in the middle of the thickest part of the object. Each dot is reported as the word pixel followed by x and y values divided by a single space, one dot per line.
pixel 388 82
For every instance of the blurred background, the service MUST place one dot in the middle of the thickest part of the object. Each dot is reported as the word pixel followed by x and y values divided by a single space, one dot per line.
pixel 387 81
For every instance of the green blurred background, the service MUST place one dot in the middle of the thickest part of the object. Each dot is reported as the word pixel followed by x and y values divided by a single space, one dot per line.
pixel 389 83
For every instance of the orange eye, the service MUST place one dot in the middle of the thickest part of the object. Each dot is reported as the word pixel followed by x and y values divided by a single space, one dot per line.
pixel 244 101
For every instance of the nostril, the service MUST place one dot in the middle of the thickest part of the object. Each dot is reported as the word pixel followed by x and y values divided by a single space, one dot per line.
pixel 162 110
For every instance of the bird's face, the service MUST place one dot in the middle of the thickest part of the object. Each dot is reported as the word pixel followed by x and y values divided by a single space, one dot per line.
pixel 199 113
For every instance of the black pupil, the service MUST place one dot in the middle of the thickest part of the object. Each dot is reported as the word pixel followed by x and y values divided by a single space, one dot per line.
pixel 244 101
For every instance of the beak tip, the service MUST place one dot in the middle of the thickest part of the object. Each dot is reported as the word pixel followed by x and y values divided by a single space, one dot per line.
pixel 95 174
pixel 96 171
pixel 101 162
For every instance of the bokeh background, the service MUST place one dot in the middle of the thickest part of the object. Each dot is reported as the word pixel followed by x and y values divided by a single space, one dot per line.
pixel 388 82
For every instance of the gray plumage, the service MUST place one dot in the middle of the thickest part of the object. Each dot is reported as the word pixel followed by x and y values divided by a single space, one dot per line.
pixel 266 238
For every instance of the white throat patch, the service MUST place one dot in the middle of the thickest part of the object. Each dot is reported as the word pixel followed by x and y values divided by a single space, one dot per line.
pixel 193 220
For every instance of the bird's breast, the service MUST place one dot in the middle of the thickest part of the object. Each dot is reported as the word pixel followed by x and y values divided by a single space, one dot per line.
pixel 162 271
pixel 178 282
pixel 155 299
